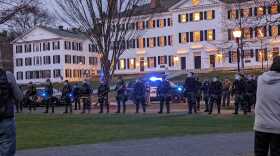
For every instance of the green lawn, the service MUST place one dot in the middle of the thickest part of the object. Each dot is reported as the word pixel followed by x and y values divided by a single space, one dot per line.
pixel 37 131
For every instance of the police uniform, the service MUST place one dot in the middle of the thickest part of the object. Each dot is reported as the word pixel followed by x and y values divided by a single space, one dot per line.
pixel 139 91
pixel 66 91
pixel 215 92
pixel 48 99
pixel 190 93
pixel 198 94
pixel 251 89
pixel 239 90
pixel 121 96
pixel 86 97
pixel 164 95
pixel 205 91
pixel 76 94
pixel 226 93
pixel 102 93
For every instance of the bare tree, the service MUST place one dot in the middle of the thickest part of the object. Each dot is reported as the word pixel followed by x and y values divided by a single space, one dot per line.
pixel 25 20
pixel 10 8
pixel 109 24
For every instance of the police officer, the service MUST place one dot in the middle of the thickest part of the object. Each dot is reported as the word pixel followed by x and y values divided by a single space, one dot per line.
pixel 86 96
pixel 226 92
pixel 215 92
pixel 139 91
pixel 76 94
pixel 121 95
pixel 164 94
pixel 198 93
pixel 205 92
pixel 190 92
pixel 102 93
pixel 66 96
pixel 32 96
pixel 49 93
pixel 19 104
pixel 239 90
pixel 251 89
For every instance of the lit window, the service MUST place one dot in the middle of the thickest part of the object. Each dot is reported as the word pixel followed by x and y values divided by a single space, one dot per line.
pixel 151 42
pixel 247 33
pixel 209 15
pixel 246 12
pixel 161 41
pixel 122 64
pixel 196 16
pixel 274 9
pixel 260 32
pixel 195 2
pixel 210 35
pixel 183 18
pixel 184 38
pixel 196 36
pixel 162 60
pixel 260 11
pixel 233 14
pixel 140 25
pixel 151 24
pixel 274 30
pixel 141 42
pixel 151 62
pixel 161 23
pixel 132 63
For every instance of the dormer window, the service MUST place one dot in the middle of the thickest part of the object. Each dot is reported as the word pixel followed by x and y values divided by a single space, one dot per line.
pixel 195 2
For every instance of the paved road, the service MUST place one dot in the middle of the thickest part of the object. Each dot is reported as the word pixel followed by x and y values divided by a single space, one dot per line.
pixel 239 144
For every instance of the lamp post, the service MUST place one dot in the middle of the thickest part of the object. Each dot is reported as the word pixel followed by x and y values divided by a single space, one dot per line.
pixel 237 33
pixel 261 37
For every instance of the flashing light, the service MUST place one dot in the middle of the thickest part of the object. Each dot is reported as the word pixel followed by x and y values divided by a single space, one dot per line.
pixel 155 79
pixel 44 94
pixel 70 95
pixel 180 89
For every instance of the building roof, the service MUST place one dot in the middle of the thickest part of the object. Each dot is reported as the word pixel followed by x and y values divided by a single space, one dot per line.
pixel 64 32
pixel 235 1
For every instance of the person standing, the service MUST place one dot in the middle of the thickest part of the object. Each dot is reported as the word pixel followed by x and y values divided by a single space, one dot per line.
pixel 215 92
pixel 86 97
pixel 205 92
pixel 139 92
pixel 76 94
pixel 121 95
pixel 251 92
pixel 239 91
pixel 226 92
pixel 267 112
pixel 102 93
pixel 32 96
pixel 164 94
pixel 9 94
pixel 48 96
pixel 66 96
pixel 190 92
pixel 19 104
pixel 198 93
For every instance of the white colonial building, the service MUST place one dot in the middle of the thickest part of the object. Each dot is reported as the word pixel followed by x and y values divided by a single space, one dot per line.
pixel 182 35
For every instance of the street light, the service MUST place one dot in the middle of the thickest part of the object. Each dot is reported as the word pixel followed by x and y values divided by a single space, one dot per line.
pixel 237 33
pixel 261 37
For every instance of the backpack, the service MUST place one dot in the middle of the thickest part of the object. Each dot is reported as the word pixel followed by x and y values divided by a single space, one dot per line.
pixel 5 93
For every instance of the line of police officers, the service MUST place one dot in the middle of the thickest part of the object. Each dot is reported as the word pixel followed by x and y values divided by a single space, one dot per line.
pixel 213 92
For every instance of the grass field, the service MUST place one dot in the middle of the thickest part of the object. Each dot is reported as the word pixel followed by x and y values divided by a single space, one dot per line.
pixel 38 131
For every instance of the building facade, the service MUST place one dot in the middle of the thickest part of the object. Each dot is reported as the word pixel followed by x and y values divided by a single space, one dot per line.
pixel 183 35
pixel 55 54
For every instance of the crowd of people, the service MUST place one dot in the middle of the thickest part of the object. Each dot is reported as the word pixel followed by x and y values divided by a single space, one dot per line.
pixel 213 92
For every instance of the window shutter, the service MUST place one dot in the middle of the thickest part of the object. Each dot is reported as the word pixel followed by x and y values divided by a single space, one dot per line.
pixel 205 15
pixel 159 60
pixel 155 62
pixel 138 43
pixel 257 55
pixel 165 40
pixel 265 31
pixel 191 36
pixel 146 25
pixel 237 14
pixel 179 18
pixel 191 16
pixel 133 43
pixel 205 35
pixel 214 34
pixel 250 12
pixel 230 57
pixel 241 13
pixel 169 22
pixel 169 40
pixel 144 43
pixel 158 41
pixel 148 43
pixel 213 14
pixel 180 39
pixel 252 53
pixel 134 65
pixel 118 65
pixel 187 18
pixel 278 29
pixel 269 10
pixel 165 59
pixel 188 36
pixel 201 15
pixel 169 61
pixel 229 35
pixel 164 21
pixel 201 35
pixel 158 23
pixel 154 23
pixel 270 30
pixel 229 13
pixel 278 8
pixel 148 60
pixel 256 32
pixel 251 32
pixel 155 41
pixel 255 11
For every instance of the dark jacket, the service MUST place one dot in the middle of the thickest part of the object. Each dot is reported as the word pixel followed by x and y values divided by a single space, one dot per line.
pixel 205 88
pixel 216 88
pixel 139 90
pixel 49 89
pixel 164 88
pixel 67 89
pixel 103 90
pixel 191 85
pixel 121 88
pixel 251 86
pixel 239 87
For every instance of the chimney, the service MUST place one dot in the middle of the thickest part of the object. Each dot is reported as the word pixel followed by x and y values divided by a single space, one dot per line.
pixel 154 4
pixel 60 27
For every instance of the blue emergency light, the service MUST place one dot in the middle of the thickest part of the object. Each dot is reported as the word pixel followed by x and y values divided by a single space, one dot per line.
pixel 155 79
pixel 180 89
